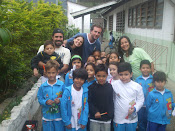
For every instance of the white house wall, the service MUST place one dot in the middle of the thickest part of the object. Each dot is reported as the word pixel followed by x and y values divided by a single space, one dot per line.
pixel 163 38
pixel 73 7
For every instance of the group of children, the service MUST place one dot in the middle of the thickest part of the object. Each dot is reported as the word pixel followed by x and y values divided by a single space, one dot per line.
pixel 98 93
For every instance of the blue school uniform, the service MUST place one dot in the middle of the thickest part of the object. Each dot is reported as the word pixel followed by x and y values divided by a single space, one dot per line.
pixel 160 106
pixel 51 114
pixel 66 111
pixel 87 84
pixel 147 87
pixel 68 81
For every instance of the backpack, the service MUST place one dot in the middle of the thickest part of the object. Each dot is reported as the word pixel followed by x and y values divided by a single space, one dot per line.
pixel 113 39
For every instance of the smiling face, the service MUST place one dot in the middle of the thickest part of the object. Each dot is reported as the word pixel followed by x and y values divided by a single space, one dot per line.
pixel 101 77
pixel 78 41
pixel 76 62
pixel 90 70
pixel 49 49
pixel 91 60
pixel 95 33
pixel 145 69
pixel 57 39
pixel 96 54
pixel 113 71
pixel 78 82
pixel 124 45
pixel 125 76
pixel 113 58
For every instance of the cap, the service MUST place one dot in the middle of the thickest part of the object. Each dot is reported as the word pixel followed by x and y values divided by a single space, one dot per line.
pixel 57 30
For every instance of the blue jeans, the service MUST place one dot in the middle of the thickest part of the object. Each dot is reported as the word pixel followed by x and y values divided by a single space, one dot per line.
pixel 155 126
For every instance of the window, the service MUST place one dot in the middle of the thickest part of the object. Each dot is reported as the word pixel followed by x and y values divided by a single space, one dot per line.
pixel 120 21
pixel 146 15
pixel 111 22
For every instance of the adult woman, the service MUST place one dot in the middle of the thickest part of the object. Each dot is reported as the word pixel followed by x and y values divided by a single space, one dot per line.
pixel 75 46
pixel 133 55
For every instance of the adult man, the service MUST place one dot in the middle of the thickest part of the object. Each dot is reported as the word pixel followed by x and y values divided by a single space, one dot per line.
pixel 57 37
pixel 91 41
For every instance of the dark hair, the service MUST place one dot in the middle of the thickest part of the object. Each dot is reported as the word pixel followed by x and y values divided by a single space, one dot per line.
pixel 96 51
pixel 72 42
pixel 75 58
pixel 114 63
pixel 80 73
pixel 124 66
pixel 110 33
pixel 131 48
pixel 101 67
pixel 107 61
pixel 147 62
pixel 91 56
pixel 48 42
pixel 57 30
pixel 98 26
pixel 92 64
pixel 50 64
pixel 159 76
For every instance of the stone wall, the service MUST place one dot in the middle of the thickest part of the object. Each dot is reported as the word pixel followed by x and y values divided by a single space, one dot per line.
pixel 24 111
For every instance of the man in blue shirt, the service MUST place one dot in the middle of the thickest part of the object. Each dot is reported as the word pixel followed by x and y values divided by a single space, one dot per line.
pixel 91 41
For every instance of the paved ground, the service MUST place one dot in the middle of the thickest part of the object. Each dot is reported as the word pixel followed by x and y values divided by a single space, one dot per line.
pixel 169 85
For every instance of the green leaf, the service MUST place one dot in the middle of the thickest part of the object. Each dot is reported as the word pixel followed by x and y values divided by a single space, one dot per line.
pixel 5 36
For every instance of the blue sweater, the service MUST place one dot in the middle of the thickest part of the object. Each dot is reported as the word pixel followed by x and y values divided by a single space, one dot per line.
pixel 87 84
pixel 160 106
pixel 68 81
pixel 88 48
pixel 66 111
pixel 147 85
pixel 47 92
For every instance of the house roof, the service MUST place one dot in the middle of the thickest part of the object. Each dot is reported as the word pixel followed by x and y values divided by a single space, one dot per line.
pixel 93 9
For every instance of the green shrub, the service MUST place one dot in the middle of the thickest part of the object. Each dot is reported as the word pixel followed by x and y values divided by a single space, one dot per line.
pixel 30 25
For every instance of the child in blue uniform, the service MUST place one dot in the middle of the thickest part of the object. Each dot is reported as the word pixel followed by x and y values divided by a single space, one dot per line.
pixel 49 97
pixel 76 63
pixel 159 104
pixel 74 104
pixel 145 80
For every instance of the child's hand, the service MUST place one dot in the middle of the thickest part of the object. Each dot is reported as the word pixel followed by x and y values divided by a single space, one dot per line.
pixel 97 115
pixel 69 126
pixel 49 102
pixel 57 100
pixel 35 72
pixel 82 126
pixel 131 110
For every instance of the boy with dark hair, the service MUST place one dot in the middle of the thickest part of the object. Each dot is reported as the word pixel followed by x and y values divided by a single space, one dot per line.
pixel 145 80
pixel 44 56
pixel 159 104
pixel 128 99
pixel 101 106
pixel 49 97
pixel 74 104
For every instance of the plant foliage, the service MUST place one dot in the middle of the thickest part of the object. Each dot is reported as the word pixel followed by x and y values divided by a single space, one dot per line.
pixel 30 25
